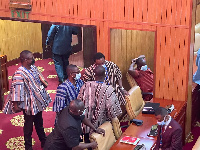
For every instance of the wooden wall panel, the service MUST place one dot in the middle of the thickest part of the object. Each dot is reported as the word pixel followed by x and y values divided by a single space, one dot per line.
pixel 198 14
pixel 17 36
pixel 171 63
pixel 169 19
pixel 129 44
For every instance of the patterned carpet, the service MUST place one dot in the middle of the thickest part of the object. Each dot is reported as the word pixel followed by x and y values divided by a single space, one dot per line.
pixel 194 136
pixel 11 126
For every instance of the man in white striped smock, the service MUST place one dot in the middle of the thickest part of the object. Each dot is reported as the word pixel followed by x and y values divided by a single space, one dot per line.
pixel 27 93
pixel 101 103
pixel 113 76
pixel 68 90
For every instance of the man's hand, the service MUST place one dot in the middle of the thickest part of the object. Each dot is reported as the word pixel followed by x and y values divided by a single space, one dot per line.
pixel 94 145
pixel 100 131
pixel 134 60
pixel 16 109
pixel 125 92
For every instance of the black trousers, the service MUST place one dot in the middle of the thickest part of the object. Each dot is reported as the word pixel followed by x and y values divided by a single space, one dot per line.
pixel 28 129
pixel 87 140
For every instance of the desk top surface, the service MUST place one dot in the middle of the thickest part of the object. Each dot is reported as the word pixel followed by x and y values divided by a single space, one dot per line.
pixel 148 120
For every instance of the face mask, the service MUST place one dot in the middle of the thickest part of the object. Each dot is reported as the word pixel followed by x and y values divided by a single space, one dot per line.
pixel 33 62
pixel 84 112
pixel 104 65
pixel 144 68
pixel 78 76
pixel 162 123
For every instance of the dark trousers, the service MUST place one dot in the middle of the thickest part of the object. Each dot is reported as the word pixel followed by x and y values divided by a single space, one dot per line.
pixel 87 139
pixel 28 129
pixel 61 62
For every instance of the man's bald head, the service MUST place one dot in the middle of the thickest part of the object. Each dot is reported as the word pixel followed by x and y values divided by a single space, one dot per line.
pixel 71 69
pixel 99 71
pixel 24 54
pixel 141 61
pixel 76 105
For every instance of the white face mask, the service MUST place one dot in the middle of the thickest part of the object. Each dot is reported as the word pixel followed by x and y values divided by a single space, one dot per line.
pixel 162 123
pixel 78 76
pixel 84 112
pixel 104 65
pixel 144 68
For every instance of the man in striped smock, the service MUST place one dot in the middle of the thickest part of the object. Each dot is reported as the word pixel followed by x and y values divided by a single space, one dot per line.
pixel 113 75
pixel 27 93
pixel 101 103
pixel 68 90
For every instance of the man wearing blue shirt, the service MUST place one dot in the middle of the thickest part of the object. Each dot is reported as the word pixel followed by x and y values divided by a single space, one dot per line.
pixel 68 90
pixel 196 76
pixel 60 37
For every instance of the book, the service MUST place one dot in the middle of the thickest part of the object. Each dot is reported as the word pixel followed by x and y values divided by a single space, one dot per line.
pixel 130 140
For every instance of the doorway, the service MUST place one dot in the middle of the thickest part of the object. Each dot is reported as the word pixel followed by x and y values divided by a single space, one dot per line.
pixel 126 45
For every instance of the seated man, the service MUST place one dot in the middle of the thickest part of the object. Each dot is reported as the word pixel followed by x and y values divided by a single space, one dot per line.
pixel 113 75
pixel 100 100
pixel 169 131
pixel 68 90
pixel 143 76
pixel 68 129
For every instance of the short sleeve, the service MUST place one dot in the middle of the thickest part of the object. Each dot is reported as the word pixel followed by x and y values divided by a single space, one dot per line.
pixel 75 30
pixel 71 137
pixel 118 72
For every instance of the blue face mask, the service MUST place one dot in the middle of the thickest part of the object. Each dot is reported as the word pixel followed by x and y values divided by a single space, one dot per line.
pixel 162 123
pixel 144 68
pixel 78 76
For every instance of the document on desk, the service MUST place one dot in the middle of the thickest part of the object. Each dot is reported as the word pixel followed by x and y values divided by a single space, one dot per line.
pixel 130 140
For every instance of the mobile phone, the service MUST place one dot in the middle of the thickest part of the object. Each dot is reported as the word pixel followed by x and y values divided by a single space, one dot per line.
pixel 138 147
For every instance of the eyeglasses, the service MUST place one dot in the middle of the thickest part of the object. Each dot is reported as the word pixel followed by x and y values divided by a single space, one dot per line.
pixel 79 111
pixel 82 111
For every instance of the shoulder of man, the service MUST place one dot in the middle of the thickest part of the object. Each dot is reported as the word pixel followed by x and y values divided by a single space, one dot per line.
pixel 174 124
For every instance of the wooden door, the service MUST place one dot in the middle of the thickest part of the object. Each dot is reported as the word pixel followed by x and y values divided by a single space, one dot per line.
pixel 47 53
pixel 89 44
pixel 1 89
pixel 128 44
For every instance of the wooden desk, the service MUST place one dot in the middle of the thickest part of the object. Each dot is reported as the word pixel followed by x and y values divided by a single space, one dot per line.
pixel 148 120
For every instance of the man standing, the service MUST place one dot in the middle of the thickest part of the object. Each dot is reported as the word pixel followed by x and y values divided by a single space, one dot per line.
pixel 68 129
pixel 61 37
pixel 68 90
pixel 27 93
pixel 169 131
pixel 143 77
pixel 100 100
pixel 113 75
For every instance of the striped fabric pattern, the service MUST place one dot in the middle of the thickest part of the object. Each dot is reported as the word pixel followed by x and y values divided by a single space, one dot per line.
pixel 26 90
pixel 114 74
pixel 66 92
pixel 100 102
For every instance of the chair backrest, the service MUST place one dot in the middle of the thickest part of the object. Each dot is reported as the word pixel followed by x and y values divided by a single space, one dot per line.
pixel 116 127
pixel 197 145
pixel 131 80
pixel 134 102
pixel 104 142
